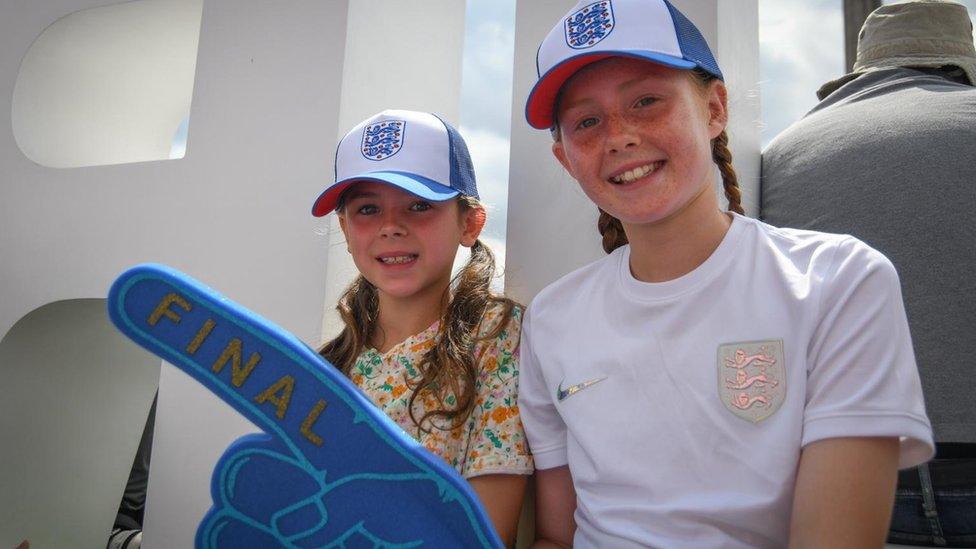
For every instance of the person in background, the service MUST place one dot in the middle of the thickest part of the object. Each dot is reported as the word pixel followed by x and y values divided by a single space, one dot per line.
pixel 888 157
pixel 127 529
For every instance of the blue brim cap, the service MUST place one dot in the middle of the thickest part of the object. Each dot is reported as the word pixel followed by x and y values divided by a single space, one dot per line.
pixel 412 183
pixel 542 99
pixel 652 30
pixel 414 151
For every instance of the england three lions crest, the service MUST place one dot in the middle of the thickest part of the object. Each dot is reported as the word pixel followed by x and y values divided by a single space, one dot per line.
pixel 752 378
pixel 383 139
pixel 589 24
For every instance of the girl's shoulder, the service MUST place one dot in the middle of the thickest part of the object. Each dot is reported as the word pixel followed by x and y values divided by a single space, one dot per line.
pixel 585 280
pixel 758 229
pixel 821 254
pixel 503 318
pixel 796 241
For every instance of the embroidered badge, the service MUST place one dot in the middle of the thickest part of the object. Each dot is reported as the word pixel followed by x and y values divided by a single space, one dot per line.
pixel 752 378
pixel 589 24
pixel 383 139
pixel 563 394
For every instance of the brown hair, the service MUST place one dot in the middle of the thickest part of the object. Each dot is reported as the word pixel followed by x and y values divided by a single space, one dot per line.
pixel 610 227
pixel 449 368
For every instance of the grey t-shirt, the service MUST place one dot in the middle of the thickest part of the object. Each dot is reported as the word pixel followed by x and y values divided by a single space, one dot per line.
pixel 890 158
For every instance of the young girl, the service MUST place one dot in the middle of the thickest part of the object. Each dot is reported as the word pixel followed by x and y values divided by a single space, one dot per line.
pixel 440 359
pixel 714 381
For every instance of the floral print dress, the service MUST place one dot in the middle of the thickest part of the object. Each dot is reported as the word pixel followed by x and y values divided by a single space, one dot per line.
pixel 492 439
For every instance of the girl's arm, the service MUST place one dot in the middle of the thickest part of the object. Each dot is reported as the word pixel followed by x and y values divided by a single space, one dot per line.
pixel 555 503
pixel 497 451
pixel 501 496
pixel 845 489
pixel 863 394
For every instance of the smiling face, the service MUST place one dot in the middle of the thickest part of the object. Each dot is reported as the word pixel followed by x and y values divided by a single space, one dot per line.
pixel 405 245
pixel 637 137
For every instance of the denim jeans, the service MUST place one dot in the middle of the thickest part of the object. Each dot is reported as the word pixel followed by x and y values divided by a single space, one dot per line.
pixel 935 505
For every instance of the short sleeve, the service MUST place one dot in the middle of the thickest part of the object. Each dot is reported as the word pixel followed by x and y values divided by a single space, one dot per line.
pixel 862 379
pixel 544 426
pixel 496 443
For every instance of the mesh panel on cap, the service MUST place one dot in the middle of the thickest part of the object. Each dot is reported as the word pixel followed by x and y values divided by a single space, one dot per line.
pixel 462 169
pixel 692 43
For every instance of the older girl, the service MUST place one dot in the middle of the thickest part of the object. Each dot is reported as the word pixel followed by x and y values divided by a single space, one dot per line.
pixel 714 381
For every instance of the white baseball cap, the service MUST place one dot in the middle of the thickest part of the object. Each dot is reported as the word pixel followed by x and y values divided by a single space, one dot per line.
pixel 414 151
pixel 653 30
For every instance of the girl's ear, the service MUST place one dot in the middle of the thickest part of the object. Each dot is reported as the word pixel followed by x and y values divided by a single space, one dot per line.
pixel 718 108
pixel 472 222
pixel 560 153
pixel 342 225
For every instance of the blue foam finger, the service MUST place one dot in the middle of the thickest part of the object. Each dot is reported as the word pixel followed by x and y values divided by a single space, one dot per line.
pixel 332 470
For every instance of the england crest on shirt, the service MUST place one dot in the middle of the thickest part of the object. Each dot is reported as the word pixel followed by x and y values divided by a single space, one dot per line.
pixel 383 139
pixel 752 378
pixel 589 24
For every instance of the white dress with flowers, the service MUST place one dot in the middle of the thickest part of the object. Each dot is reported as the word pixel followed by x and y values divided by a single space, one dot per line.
pixel 491 440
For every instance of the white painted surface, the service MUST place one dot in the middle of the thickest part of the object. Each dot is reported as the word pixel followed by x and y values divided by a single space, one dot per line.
pixel 232 213
pixel 76 394
pixel 738 55
pixel 107 85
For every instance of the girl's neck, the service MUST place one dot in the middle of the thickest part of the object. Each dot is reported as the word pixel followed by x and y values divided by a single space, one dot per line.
pixel 400 318
pixel 675 246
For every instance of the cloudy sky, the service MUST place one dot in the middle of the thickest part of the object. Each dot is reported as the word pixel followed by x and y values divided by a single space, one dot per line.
pixel 801 46
pixel 486 113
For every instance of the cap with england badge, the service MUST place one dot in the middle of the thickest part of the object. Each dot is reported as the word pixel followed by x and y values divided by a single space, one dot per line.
pixel 414 151
pixel 653 30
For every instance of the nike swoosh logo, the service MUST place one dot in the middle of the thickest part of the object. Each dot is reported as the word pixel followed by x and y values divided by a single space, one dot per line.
pixel 563 394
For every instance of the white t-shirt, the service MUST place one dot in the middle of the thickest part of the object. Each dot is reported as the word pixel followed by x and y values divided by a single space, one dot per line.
pixel 681 407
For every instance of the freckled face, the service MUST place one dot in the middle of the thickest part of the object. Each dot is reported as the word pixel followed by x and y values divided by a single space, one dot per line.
pixel 404 245
pixel 637 137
